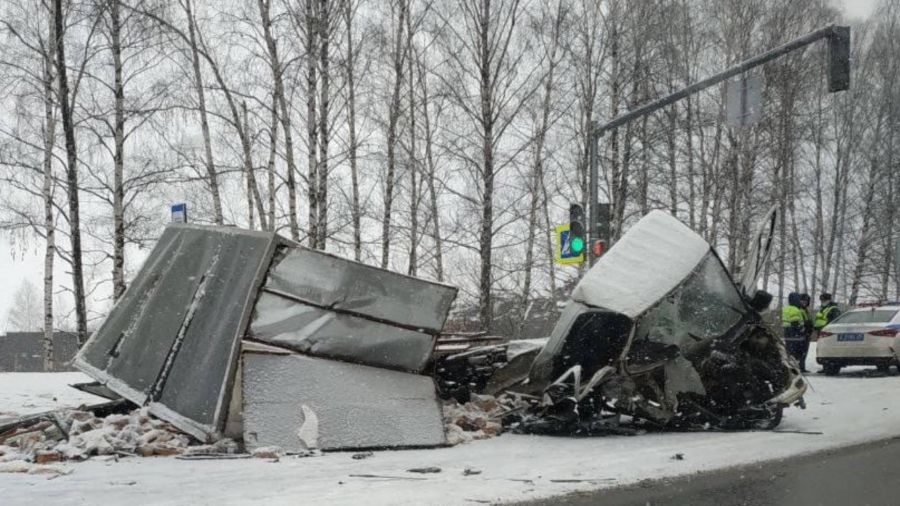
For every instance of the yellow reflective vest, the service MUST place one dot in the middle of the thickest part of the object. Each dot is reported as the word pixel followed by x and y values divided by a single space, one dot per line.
pixel 825 315
pixel 790 315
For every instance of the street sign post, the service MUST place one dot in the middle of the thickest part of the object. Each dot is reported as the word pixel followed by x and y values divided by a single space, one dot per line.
pixel 563 253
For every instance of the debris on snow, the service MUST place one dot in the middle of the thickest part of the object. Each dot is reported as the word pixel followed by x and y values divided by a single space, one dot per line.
pixel 480 418
pixel 20 466
pixel 362 455
pixel 424 470
pixel 268 452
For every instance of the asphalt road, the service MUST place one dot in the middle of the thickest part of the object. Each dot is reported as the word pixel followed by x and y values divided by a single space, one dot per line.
pixel 865 475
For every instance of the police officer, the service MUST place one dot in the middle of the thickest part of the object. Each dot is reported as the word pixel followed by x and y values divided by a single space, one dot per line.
pixel 794 322
pixel 827 312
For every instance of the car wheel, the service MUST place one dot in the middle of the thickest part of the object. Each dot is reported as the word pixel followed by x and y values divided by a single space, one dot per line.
pixel 884 368
pixel 831 369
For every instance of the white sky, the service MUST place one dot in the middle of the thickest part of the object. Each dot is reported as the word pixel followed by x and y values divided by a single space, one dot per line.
pixel 28 263
pixel 15 266
pixel 856 8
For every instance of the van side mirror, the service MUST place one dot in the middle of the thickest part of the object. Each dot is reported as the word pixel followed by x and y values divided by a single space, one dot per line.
pixel 761 300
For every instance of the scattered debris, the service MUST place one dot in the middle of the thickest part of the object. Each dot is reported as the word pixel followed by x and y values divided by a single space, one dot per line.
pixel 383 477
pixel 590 480
pixel 678 456
pixel 480 418
pixel 471 471
pixel 268 452
pixel 75 434
pixel 20 466
pixel 361 456
pixel 214 456
pixel 424 470
pixel 808 432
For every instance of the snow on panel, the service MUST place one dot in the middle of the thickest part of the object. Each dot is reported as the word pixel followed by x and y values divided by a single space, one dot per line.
pixel 298 402
pixel 650 260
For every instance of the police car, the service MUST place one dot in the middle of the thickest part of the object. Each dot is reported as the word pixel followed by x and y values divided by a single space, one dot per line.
pixel 861 336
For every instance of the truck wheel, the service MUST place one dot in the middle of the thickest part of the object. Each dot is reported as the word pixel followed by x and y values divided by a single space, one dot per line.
pixel 884 368
pixel 831 369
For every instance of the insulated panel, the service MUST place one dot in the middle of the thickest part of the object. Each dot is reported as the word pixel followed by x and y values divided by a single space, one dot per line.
pixel 173 336
pixel 298 402
pixel 315 331
pixel 345 285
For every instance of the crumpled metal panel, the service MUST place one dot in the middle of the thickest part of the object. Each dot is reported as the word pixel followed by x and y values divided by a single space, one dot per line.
pixel 298 402
pixel 344 285
pixel 321 332
pixel 171 341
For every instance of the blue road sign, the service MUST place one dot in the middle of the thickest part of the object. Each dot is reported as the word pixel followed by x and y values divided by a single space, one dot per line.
pixel 179 213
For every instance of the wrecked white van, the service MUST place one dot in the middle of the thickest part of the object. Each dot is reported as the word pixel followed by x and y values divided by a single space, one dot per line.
pixel 659 330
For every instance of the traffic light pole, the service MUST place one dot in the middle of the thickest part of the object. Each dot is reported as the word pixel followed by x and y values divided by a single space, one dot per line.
pixel 838 77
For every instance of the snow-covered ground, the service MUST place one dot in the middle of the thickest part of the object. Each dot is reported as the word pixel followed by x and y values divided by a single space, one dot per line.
pixel 853 408
pixel 23 393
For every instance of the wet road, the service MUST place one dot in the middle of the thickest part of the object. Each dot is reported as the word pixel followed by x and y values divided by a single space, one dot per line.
pixel 856 476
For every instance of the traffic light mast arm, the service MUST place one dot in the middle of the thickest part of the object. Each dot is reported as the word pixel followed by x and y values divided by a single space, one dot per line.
pixel 740 68
pixel 837 34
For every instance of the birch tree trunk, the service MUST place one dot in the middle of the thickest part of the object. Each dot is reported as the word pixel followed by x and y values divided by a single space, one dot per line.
pixel 47 193
pixel 413 155
pixel 432 175
pixel 71 175
pixel 312 50
pixel 397 56
pixel 118 273
pixel 324 23
pixel 265 8
pixel 270 166
pixel 537 170
pixel 211 174
pixel 350 71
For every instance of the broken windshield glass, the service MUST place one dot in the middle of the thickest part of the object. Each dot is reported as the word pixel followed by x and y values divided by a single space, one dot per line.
pixel 705 306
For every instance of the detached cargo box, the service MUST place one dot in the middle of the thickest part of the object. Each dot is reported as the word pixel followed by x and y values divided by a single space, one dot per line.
pixel 173 340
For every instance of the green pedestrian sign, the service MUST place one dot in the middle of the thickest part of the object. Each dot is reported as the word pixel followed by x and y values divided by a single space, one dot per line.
pixel 569 249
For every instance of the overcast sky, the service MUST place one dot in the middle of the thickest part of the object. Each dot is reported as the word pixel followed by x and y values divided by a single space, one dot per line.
pixel 17 265
pixel 856 8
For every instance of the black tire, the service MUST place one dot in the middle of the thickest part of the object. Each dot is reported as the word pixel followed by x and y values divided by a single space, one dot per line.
pixel 884 368
pixel 831 369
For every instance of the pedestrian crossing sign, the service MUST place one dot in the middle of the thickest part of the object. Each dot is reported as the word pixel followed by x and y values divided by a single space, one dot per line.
pixel 563 253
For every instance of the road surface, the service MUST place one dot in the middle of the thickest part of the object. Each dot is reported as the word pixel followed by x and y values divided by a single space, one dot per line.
pixel 866 474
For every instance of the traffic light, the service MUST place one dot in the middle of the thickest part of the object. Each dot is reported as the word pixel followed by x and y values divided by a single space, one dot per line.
pixel 839 59
pixel 577 239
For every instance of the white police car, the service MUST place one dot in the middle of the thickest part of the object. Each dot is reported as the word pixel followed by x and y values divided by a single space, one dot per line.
pixel 861 336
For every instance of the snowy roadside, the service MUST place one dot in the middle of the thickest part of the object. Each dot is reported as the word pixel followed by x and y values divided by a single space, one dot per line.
pixel 24 393
pixel 849 409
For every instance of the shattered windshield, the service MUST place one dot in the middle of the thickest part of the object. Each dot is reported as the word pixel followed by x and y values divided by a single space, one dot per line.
pixel 705 306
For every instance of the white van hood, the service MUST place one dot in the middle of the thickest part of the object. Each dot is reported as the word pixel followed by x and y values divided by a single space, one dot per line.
pixel 649 261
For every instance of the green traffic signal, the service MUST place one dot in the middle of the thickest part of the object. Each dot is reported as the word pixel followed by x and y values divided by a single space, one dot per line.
pixel 577 244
